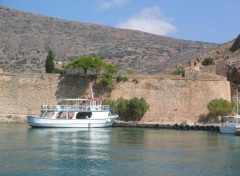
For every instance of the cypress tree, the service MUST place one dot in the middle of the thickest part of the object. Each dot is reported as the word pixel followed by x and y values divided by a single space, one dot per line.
pixel 49 62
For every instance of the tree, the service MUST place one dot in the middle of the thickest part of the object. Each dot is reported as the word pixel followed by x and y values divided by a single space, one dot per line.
pixel 95 64
pixel 219 107
pixel 92 63
pixel 207 61
pixel 49 62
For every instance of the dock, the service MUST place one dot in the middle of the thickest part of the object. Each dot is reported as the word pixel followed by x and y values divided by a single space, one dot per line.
pixel 182 126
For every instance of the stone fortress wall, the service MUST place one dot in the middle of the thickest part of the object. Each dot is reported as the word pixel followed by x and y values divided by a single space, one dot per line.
pixel 170 99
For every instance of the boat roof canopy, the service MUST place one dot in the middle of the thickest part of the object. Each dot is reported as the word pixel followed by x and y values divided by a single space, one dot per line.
pixel 233 116
pixel 80 99
pixel 95 99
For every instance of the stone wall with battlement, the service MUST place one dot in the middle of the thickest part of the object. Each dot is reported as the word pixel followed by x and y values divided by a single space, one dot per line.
pixel 170 99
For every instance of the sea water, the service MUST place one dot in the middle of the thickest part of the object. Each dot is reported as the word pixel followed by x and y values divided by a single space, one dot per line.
pixel 116 151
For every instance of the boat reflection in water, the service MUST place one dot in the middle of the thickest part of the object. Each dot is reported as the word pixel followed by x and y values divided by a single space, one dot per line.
pixel 73 149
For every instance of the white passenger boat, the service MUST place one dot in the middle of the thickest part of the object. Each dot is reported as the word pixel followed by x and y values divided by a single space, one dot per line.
pixel 231 124
pixel 74 113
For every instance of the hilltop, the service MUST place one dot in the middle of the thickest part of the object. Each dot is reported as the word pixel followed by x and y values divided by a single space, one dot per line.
pixel 25 40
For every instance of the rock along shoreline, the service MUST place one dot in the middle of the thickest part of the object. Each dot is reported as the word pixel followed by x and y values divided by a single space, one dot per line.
pixel 159 125
pixel 12 118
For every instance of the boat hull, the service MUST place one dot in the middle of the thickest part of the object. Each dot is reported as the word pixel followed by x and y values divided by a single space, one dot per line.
pixel 227 129
pixel 40 122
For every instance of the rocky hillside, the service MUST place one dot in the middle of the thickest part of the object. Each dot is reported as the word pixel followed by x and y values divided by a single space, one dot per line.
pixel 226 58
pixel 25 40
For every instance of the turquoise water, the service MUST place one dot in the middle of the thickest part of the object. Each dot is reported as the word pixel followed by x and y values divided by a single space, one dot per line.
pixel 116 151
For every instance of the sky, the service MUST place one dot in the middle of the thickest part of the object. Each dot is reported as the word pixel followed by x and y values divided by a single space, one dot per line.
pixel 213 21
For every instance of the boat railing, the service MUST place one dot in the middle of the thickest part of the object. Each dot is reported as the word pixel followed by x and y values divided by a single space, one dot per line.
pixel 58 108
pixel 233 124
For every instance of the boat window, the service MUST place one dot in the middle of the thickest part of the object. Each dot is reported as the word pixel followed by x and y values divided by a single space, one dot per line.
pixel 60 115
pixel 70 115
pixel 232 120
pixel 98 103
pixel 84 115
pixel 47 114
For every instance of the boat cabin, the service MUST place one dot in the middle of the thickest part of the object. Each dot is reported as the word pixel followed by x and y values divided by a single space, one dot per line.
pixel 231 119
pixel 74 108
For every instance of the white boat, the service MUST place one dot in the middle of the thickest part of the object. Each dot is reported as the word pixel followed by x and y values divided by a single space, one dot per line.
pixel 231 124
pixel 73 113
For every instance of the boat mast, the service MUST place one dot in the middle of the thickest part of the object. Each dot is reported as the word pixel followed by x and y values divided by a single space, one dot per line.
pixel 237 102
pixel 92 91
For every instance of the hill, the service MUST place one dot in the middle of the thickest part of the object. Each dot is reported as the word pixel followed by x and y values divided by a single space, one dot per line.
pixel 25 40
pixel 226 60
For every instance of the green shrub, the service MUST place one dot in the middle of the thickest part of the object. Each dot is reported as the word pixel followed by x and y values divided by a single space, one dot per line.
pixel 137 108
pixel 106 80
pixel 112 105
pixel 59 71
pixel 132 72
pixel 219 107
pixel 179 72
pixel 121 79
pixel 122 108
pixel 207 61
pixel 130 110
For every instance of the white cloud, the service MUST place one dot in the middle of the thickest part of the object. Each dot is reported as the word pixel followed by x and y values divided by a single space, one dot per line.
pixel 149 20
pixel 113 3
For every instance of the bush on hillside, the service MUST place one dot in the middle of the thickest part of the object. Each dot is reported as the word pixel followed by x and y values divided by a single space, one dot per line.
pixel 179 72
pixel 120 78
pixel 106 80
pixel 207 61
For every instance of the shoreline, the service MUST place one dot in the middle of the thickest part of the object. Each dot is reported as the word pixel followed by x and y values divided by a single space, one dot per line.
pixel 12 118
pixel 22 119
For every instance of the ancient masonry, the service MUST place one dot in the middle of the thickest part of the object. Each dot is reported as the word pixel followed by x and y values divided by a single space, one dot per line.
pixel 170 99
